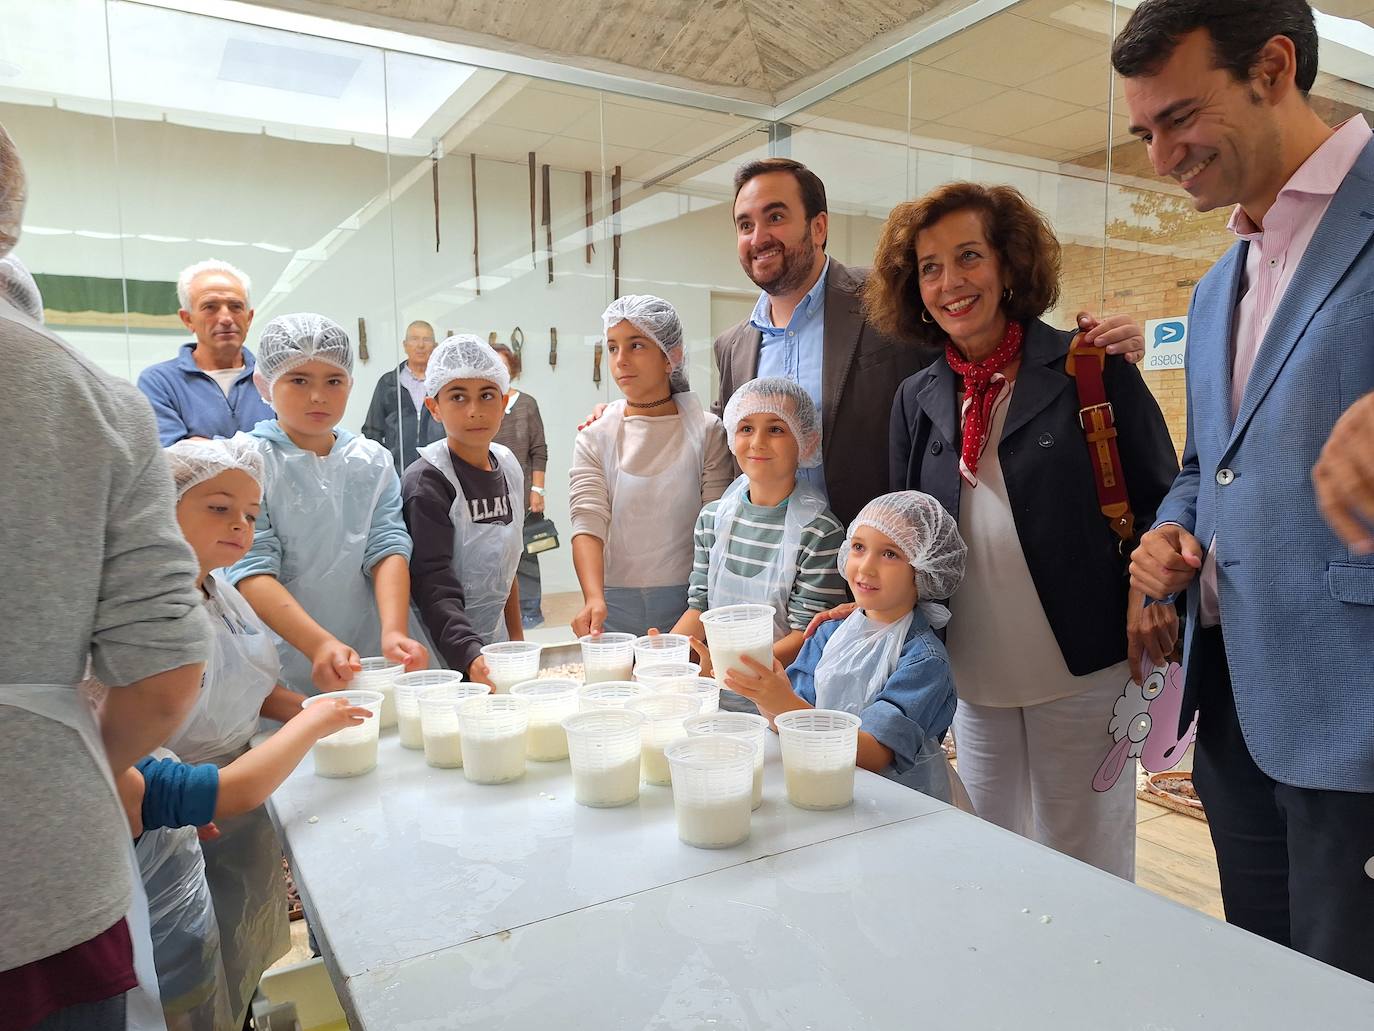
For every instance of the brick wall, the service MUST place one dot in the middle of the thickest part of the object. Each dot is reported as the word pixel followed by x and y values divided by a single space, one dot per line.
pixel 1158 247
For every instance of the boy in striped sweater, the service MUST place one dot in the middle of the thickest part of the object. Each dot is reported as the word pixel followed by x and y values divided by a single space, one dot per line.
pixel 771 539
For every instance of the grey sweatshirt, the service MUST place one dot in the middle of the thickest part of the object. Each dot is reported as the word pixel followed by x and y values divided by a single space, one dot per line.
pixel 95 568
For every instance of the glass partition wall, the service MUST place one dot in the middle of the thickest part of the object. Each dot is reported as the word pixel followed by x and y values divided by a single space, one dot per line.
pixel 379 187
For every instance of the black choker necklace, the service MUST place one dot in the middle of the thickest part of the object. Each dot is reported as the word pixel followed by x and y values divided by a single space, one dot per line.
pixel 651 404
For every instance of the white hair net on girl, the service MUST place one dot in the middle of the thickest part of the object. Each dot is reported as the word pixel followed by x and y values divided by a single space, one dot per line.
pixel 18 287
pixel 289 341
pixel 195 461
pixel 789 401
pixel 465 357
pixel 657 320
pixel 13 193
pixel 929 538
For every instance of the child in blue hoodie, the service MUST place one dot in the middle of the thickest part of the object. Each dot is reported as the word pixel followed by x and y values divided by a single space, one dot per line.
pixel 884 662
pixel 329 567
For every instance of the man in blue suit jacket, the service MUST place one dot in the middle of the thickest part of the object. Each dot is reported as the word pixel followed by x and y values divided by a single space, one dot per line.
pixel 1277 652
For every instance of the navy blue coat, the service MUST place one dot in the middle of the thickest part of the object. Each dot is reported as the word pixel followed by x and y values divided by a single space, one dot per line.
pixel 1079 572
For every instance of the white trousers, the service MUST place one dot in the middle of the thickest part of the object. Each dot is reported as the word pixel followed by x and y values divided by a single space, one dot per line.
pixel 1030 769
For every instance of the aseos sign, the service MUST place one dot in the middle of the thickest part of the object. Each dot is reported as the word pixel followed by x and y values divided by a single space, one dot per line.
pixel 1166 343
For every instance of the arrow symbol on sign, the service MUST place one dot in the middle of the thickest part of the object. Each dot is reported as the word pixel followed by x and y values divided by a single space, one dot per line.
pixel 1168 333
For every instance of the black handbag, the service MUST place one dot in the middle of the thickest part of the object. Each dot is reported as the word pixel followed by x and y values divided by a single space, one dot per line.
pixel 540 534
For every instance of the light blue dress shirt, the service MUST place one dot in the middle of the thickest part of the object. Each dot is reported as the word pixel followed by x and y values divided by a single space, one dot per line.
pixel 795 352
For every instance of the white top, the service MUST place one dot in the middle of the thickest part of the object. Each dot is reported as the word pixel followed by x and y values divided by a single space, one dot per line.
pixel 226 378
pixel 1002 651
pixel 655 519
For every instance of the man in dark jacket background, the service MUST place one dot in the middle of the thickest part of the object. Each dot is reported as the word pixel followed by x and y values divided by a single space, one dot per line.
pixel 397 417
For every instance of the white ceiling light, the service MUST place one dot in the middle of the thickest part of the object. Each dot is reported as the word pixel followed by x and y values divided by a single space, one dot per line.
pixel 292 69
pixel 219 75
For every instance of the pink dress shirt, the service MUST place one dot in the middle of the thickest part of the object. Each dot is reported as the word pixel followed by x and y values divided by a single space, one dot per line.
pixel 1275 252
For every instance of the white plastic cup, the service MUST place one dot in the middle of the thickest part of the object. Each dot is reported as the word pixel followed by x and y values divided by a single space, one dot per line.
pixel 666 676
pixel 652 649
pixel 735 631
pixel 607 657
pixel 664 716
pixel 440 735
pixel 409 686
pixel 350 752
pixel 493 728
pixel 511 663
pixel 705 690
pixel 746 726
pixel 609 694
pixel 604 746
pixel 819 747
pixel 712 789
pixel 379 674
pixel 550 701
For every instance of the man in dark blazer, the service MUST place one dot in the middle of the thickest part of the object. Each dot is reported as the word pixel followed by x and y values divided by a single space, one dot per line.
pixel 1280 609
pixel 809 326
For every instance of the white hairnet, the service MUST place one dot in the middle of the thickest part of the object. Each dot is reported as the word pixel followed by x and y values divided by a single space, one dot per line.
pixel 13 193
pixel 652 316
pixel 18 287
pixel 790 402
pixel 465 357
pixel 289 341
pixel 195 461
pixel 927 535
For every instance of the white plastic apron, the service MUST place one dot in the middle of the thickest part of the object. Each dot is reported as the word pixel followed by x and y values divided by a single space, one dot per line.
pixel 68 706
pixel 324 507
pixel 185 934
pixel 652 516
pixel 858 659
pixel 242 865
pixel 771 585
pixel 484 554
pixel 240 672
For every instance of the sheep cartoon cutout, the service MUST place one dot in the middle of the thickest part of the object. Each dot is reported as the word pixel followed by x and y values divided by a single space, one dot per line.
pixel 1145 725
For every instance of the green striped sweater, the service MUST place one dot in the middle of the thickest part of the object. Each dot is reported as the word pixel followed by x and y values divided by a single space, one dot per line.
pixel 755 537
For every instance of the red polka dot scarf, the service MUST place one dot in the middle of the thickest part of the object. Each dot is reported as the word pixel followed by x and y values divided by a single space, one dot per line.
pixel 984 389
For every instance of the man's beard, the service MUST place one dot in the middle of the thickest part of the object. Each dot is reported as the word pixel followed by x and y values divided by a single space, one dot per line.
pixel 796 269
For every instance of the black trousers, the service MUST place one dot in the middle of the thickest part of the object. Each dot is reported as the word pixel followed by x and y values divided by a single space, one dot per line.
pixel 1297 864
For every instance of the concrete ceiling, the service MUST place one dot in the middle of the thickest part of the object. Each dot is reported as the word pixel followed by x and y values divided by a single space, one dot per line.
pixel 761 51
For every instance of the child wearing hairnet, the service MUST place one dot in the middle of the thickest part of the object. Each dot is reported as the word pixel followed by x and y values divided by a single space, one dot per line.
pixel 884 663
pixel 770 539
pixel 196 946
pixel 329 567
pixel 219 490
pixel 464 506
pixel 640 475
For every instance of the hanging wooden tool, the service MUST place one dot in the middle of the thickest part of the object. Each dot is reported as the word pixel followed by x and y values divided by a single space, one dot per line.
pixel 596 364
pixel 615 228
pixel 548 219
pixel 476 266
pixel 587 189
pixel 491 338
pixel 434 175
pixel 553 347
pixel 534 246
pixel 362 340
pixel 517 341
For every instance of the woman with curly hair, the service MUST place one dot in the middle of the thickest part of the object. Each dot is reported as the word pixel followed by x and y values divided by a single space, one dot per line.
pixel 993 431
